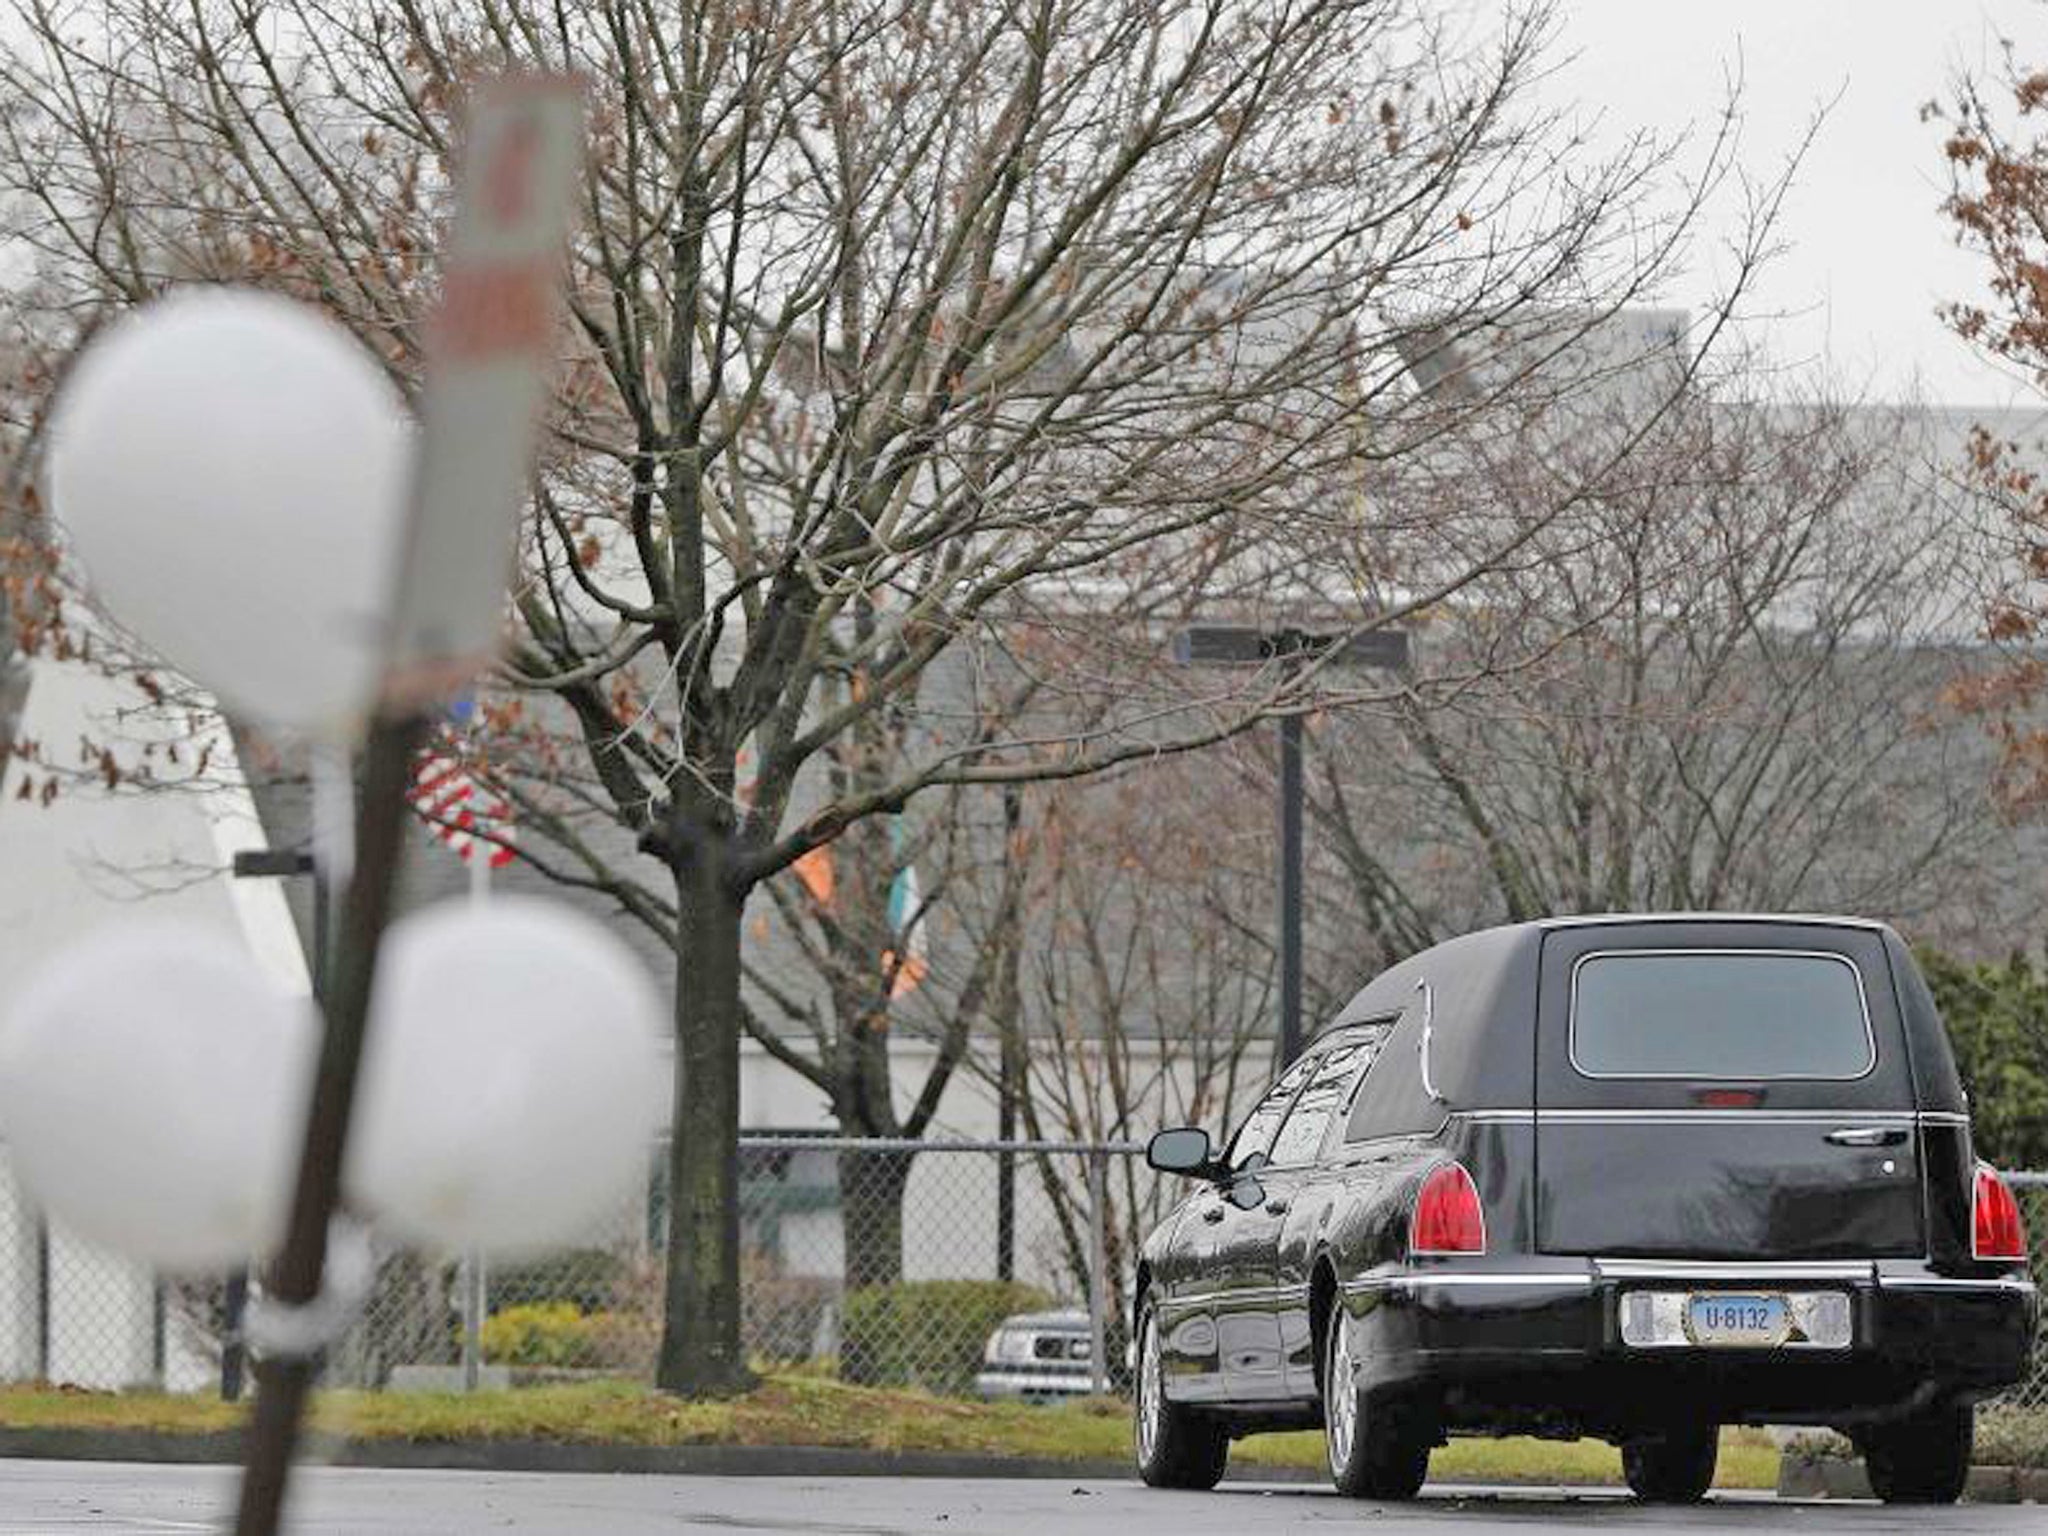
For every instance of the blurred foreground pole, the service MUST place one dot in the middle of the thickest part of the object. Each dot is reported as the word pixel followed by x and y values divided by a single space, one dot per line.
pixel 282 1383
pixel 489 347
pixel 254 864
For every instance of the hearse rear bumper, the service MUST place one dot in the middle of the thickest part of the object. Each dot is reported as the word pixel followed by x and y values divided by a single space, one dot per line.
pixel 1541 1342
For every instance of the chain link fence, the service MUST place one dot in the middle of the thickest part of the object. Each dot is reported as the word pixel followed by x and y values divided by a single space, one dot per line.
pixel 2031 1190
pixel 886 1263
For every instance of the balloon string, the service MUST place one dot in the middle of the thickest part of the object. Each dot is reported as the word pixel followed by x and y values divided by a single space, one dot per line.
pixel 274 1329
pixel 334 816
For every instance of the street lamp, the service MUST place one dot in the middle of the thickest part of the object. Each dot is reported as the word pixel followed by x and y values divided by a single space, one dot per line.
pixel 1241 645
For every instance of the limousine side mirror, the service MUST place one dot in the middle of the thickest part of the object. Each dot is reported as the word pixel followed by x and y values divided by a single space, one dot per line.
pixel 1185 1149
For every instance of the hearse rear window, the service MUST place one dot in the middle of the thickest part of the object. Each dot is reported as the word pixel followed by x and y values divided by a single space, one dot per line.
pixel 1719 1014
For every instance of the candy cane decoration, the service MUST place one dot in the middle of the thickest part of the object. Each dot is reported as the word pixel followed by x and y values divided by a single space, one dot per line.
pixel 457 809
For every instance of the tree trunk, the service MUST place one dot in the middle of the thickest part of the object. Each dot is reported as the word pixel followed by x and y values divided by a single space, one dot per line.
pixel 701 1350
pixel 871 1189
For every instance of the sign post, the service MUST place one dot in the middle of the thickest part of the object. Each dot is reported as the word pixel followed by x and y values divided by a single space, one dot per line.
pixel 489 351
pixel 488 359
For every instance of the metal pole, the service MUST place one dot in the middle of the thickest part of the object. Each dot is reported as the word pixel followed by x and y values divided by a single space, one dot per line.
pixel 234 1305
pixel 42 1297
pixel 283 1383
pixel 1098 1272
pixel 1006 1162
pixel 158 1342
pixel 472 1319
pixel 323 931
pixel 1290 888
pixel 1010 1070
pixel 478 857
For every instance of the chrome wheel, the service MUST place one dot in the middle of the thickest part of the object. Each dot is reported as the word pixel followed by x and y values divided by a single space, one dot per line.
pixel 1340 1396
pixel 1151 1389
pixel 1177 1445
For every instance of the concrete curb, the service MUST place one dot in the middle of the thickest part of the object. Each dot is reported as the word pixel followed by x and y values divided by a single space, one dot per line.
pixel 1835 1477
pixel 553 1456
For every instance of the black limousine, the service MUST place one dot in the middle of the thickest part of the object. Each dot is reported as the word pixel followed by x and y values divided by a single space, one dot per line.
pixel 1631 1177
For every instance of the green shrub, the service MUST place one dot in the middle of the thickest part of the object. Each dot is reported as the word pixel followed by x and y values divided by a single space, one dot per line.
pixel 1997 1017
pixel 554 1334
pixel 927 1333
pixel 544 1333
pixel 2012 1437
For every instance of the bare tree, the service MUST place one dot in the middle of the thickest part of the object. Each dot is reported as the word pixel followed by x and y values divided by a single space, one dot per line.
pixel 1728 695
pixel 845 965
pixel 1129 993
pixel 904 336
pixel 1996 154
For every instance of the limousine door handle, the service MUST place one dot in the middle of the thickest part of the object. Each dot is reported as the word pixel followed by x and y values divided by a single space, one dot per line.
pixel 1212 1213
pixel 1276 1207
pixel 1867 1136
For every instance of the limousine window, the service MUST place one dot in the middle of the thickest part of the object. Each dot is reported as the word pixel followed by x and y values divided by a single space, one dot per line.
pixel 1255 1136
pixel 1301 1138
pixel 1720 1014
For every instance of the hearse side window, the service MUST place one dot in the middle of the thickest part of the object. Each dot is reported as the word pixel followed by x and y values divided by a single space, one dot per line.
pixel 1256 1134
pixel 1328 1095
pixel 1744 1015
pixel 1301 1137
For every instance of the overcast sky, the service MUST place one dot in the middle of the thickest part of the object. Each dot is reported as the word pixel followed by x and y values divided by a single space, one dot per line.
pixel 1869 255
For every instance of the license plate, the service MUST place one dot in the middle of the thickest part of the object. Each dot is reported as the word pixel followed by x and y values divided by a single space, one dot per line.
pixel 1725 1320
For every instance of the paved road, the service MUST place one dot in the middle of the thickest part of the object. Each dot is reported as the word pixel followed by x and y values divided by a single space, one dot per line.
pixel 52 1498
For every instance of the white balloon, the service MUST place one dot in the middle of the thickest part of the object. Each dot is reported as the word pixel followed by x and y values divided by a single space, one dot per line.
pixel 510 1079
pixel 153 1088
pixel 231 467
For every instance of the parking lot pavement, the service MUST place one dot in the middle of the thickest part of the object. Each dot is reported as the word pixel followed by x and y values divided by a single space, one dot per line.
pixel 52 1498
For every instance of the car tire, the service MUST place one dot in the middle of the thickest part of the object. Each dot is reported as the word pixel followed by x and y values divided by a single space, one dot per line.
pixel 1176 1446
pixel 1673 1466
pixel 1924 1459
pixel 1378 1448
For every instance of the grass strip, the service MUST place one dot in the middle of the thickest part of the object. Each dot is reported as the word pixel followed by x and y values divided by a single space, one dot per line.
pixel 812 1411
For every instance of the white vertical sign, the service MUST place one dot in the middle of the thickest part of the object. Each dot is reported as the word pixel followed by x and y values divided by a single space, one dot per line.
pixel 490 349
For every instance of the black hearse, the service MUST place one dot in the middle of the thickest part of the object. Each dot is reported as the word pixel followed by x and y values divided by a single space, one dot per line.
pixel 1632 1177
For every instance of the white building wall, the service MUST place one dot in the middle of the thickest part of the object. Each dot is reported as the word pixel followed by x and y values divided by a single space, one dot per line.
pixel 949 1216
pixel 87 859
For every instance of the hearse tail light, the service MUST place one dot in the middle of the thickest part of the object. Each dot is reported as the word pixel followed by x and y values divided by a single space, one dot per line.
pixel 1729 1098
pixel 1997 1231
pixel 1447 1215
